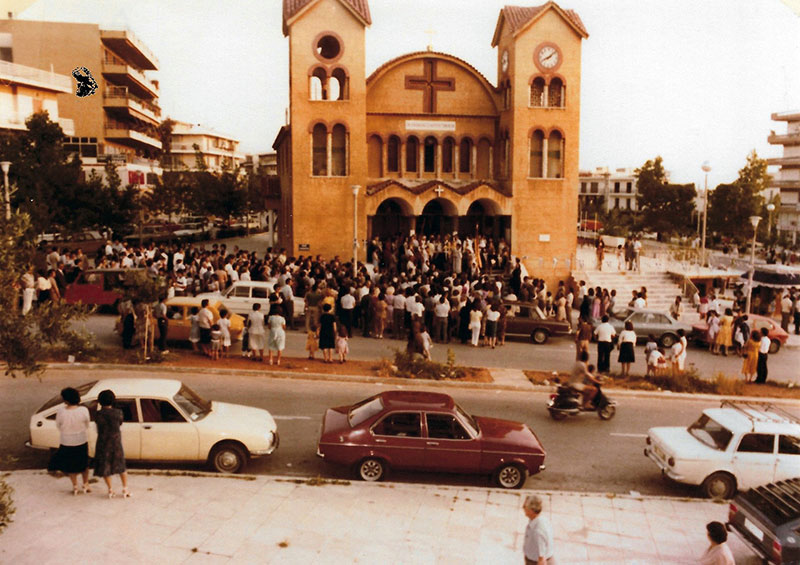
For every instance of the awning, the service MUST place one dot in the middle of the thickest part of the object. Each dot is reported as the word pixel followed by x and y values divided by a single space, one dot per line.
pixel 775 276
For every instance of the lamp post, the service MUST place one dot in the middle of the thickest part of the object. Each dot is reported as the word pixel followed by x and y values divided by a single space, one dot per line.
pixel 770 209
pixel 706 166
pixel 5 166
pixel 355 188
pixel 753 220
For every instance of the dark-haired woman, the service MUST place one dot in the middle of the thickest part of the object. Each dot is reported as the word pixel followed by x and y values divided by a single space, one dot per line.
pixel 327 333
pixel 72 457
pixel 109 458
pixel 627 341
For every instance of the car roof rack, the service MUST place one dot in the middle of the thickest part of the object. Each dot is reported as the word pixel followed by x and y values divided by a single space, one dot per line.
pixel 782 498
pixel 761 411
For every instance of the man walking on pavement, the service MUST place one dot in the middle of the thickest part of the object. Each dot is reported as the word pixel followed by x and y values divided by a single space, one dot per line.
pixel 605 334
pixel 786 311
pixel 160 314
pixel 763 352
pixel 538 545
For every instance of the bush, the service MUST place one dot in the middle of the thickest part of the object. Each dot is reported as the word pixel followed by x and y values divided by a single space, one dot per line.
pixel 688 381
pixel 415 366
pixel 729 386
pixel 6 504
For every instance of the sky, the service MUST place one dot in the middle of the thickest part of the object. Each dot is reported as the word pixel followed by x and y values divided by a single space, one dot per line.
pixel 688 80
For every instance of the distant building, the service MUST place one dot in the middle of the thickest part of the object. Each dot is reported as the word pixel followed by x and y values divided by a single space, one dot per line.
pixel 116 123
pixel 788 178
pixel 608 188
pixel 27 90
pixel 219 152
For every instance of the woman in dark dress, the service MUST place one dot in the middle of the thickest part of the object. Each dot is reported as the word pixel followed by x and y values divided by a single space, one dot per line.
pixel 463 322
pixel 109 458
pixel 327 333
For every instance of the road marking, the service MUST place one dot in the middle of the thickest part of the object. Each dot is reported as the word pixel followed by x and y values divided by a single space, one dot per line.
pixel 629 435
pixel 292 418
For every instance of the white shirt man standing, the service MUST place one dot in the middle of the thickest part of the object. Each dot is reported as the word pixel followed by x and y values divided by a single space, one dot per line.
pixel 763 352
pixel 605 333
pixel 538 545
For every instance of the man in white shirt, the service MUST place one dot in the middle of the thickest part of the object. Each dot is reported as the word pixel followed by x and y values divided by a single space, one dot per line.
pixel 786 311
pixel 605 333
pixel 204 320
pixel 538 544
pixel 441 314
pixel 639 302
pixel 348 303
pixel 398 315
pixel 763 352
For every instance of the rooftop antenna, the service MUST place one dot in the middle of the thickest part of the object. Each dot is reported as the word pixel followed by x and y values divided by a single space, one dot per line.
pixel 430 34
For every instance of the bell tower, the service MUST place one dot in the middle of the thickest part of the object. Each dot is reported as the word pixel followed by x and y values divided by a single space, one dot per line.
pixel 327 126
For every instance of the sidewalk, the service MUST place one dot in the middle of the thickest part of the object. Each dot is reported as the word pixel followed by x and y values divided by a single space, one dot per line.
pixel 198 518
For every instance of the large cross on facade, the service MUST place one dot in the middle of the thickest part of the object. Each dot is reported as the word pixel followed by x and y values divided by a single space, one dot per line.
pixel 429 84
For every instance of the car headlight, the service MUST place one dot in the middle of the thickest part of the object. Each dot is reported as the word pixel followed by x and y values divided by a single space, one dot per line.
pixel 648 441
pixel 671 461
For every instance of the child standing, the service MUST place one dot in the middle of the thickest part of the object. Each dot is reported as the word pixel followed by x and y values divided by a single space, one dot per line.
pixel 426 343
pixel 342 346
pixel 224 323
pixel 216 341
pixel 194 332
pixel 311 339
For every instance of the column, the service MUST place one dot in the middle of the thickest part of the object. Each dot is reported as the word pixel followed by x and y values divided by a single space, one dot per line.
pixel 544 157
pixel 438 165
pixel 456 160
pixel 384 158
pixel 546 95
pixel 491 161
pixel 329 152
pixel 401 169
pixel 420 158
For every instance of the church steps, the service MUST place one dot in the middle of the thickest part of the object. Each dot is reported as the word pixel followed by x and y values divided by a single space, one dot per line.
pixel 661 289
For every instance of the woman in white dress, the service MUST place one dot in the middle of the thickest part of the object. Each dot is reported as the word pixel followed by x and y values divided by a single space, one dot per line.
pixel 679 354
pixel 256 332
pixel 475 316
pixel 276 340
pixel 225 328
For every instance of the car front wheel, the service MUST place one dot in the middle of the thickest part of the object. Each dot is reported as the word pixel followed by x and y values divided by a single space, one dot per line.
pixel 539 336
pixel 668 340
pixel 719 485
pixel 371 469
pixel 774 346
pixel 511 476
pixel 228 458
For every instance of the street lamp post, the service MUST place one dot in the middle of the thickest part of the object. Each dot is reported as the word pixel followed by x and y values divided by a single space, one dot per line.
pixel 770 209
pixel 355 188
pixel 753 220
pixel 5 166
pixel 706 166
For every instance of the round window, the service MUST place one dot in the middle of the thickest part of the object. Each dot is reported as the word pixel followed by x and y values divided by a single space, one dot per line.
pixel 328 47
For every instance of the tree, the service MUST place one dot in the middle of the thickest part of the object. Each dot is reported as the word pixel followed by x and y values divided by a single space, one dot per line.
pixel 731 205
pixel 164 131
pixel 169 195
pixel 664 208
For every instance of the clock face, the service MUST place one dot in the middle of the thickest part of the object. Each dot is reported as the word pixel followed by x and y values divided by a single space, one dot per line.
pixel 504 61
pixel 548 57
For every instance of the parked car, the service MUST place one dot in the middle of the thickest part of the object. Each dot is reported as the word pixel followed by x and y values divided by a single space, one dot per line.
pixel 156 233
pixel 179 312
pixel 525 318
pixel 98 286
pixel 645 322
pixel 427 431
pixel 88 241
pixel 738 446
pixel 241 295
pixel 164 420
pixel 191 228
pixel 767 519
pixel 776 334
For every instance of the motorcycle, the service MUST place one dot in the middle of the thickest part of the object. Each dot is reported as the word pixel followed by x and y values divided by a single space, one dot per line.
pixel 569 402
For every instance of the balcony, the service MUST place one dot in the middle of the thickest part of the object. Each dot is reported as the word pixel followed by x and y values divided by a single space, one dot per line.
pixel 127 45
pixel 117 99
pixel 790 116
pixel 785 161
pixel 16 121
pixel 784 139
pixel 125 134
pixel 29 76
pixel 785 184
pixel 120 73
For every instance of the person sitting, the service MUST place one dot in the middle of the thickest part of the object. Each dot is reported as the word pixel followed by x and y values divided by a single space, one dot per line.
pixel 583 381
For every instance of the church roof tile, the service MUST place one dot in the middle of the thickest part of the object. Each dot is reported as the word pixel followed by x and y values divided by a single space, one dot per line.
pixel 292 7
pixel 518 16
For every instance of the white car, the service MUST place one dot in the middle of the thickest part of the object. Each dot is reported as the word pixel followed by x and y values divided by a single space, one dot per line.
pixel 164 420
pixel 737 446
pixel 241 295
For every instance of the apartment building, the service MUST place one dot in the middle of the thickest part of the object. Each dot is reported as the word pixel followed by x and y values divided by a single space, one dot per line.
pixel 787 180
pixel 27 90
pixel 608 189
pixel 117 123
pixel 219 152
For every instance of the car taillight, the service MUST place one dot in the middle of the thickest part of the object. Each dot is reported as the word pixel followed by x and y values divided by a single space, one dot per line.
pixel 553 396
pixel 671 461
pixel 732 510
pixel 648 441
pixel 777 551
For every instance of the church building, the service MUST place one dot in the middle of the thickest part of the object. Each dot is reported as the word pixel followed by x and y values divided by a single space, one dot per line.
pixel 426 144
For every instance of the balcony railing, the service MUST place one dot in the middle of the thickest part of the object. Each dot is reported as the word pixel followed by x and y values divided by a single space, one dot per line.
pixel 14 120
pixel 34 77
pixel 785 161
pixel 110 60
pixel 784 139
pixel 134 102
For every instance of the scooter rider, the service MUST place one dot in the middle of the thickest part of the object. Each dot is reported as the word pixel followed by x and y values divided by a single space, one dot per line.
pixel 583 381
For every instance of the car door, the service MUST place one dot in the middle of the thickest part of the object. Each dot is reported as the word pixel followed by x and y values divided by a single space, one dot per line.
pixel 179 325
pixel 754 460
pixel 448 445
pixel 166 433
pixel 398 438
pixel 130 430
pixel 788 462
pixel 238 299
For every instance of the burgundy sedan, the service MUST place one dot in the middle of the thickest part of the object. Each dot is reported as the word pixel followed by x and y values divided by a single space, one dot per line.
pixel 427 431
pixel 776 333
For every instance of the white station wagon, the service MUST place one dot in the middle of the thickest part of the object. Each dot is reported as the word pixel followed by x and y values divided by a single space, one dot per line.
pixel 737 446
pixel 241 295
pixel 164 420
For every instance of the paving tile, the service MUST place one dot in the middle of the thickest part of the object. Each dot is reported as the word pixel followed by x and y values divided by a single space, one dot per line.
pixel 570 552
pixel 188 536
pixel 291 555
pixel 203 558
pixel 606 556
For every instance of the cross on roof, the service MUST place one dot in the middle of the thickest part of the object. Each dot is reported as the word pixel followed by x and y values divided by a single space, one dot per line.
pixel 430 33
pixel 429 83
pixel 438 190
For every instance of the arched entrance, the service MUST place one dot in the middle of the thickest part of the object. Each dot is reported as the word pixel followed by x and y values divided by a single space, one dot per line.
pixel 393 217
pixel 438 218
pixel 484 217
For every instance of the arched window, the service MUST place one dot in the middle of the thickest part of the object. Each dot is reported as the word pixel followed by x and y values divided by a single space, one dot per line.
pixel 448 148
pixel 339 85
pixel 537 92
pixel 339 151
pixel 555 93
pixel 393 154
pixel 555 155
pixel 537 154
pixel 412 149
pixel 465 156
pixel 375 156
pixel 319 141
pixel 317 85
pixel 430 154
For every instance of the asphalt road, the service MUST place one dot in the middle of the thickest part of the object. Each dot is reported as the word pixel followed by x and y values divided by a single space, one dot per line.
pixel 518 353
pixel 583 453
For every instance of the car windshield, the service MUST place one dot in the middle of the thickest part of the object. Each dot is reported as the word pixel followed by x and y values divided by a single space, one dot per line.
pixel 364 410
pixel 191 403
pixel 711 433
pixel 83 389
pixel 469 421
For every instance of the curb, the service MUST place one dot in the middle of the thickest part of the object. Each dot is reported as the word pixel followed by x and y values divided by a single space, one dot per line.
pixel 620 392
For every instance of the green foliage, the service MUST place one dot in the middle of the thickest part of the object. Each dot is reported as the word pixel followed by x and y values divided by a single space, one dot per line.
pixel 731 205
pixel 415 366
pixel 164 132
pixel 139 286
pixel 169 194
pixel 7 508
pixel 618 222
pixel 664 208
